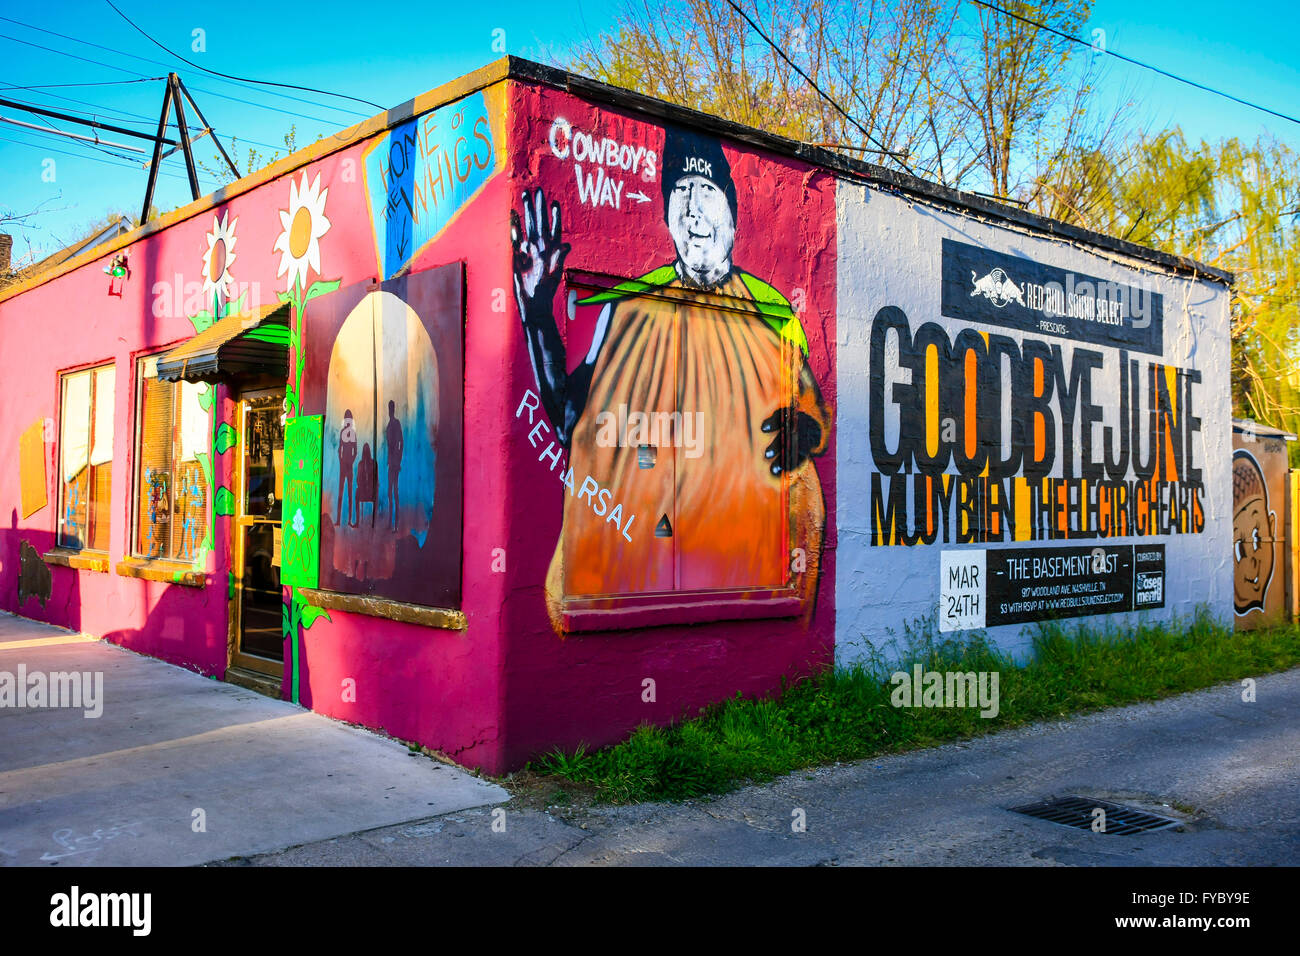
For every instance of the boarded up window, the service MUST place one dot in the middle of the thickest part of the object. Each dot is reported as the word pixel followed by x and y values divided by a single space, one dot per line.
pixel 86 458
pixel 693 396
pixel 171 486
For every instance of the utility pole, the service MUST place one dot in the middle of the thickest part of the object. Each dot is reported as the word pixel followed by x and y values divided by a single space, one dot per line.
pixel 174 98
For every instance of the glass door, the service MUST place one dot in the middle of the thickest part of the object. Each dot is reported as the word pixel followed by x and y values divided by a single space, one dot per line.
pixel 259 641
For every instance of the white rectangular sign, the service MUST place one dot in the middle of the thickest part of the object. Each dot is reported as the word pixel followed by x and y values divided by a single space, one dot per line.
pixel 961 590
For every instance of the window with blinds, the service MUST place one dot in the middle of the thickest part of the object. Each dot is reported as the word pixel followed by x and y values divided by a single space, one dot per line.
pixel 86 458
pixel 173 438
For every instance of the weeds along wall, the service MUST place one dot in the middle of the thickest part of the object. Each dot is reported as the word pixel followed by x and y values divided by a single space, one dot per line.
pixel 1029 430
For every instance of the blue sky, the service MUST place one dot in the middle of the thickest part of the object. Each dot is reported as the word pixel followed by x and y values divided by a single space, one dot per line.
pixel 386 57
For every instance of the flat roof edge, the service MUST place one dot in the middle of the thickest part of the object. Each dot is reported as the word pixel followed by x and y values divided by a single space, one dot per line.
pixel 858 169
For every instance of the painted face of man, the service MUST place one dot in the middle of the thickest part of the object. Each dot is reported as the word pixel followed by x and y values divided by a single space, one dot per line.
pixel 700 221
pixel 1252 552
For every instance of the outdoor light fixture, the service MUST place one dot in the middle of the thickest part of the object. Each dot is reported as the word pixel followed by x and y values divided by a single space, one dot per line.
pixel 117 271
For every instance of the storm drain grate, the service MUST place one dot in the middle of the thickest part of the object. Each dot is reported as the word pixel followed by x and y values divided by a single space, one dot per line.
pixel 1078 812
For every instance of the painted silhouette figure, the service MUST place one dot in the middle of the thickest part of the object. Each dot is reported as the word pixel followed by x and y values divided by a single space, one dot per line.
pixel 393 438
pixel 368 482
pixel 347 457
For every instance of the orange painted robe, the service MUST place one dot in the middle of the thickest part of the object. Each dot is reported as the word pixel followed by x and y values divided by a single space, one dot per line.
pixel 725 521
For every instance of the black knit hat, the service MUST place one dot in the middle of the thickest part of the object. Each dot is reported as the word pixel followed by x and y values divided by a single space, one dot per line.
pixel 688 154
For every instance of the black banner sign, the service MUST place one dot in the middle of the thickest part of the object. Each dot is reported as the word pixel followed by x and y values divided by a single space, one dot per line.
pixel 1039 584
pixel 981 285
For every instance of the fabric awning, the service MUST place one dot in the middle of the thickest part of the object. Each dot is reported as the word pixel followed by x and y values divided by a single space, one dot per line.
pixel 256 342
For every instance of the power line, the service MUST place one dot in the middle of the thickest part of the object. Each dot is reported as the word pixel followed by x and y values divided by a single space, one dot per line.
pixel 168 66
pixel 90 142
pixel 1129 59
pixel 30 108
pixel 77 136
pixel 95 159
pixel 99 109
pixel 50 49
pixel 106 111
pixel 897 157
pixel 287 86
pixel 224 96
pixel 57 86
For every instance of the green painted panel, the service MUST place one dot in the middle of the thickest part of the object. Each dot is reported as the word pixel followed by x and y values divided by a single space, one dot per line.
pixel 300 551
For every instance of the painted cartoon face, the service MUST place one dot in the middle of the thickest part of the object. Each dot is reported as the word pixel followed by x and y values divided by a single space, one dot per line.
pixel 349 433
pixel 1252 552
pixel 702 228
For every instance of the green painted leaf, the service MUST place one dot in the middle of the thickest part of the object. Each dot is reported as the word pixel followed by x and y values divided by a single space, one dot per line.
pixel 321 288
pixel 224 501
pixel 310 615
pixel 205 462
pixel 201 321
pixel 227 438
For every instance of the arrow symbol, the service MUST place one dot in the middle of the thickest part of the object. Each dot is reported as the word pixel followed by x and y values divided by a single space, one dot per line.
pixel 639 197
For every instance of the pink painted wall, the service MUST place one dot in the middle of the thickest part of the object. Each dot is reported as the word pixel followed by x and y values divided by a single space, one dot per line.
pixel 72 322
pixel 588 687
pixel 438 687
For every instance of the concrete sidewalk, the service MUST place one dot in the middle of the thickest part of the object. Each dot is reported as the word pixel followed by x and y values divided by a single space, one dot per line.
pixel 172 748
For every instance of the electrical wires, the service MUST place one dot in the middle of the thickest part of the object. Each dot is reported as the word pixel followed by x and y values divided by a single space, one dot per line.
pixel 287 86
pixel 1129 59
pixel 168 66
pixel 897 157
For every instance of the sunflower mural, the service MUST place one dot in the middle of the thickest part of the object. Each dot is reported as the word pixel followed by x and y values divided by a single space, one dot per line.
pixel 205 498
pixel 302 226
pixel 218 284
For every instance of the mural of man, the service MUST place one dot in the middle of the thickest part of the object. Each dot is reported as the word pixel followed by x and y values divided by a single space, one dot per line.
pixel 347 479
pixel 698 336
pixel 393 439
pixel 1253 530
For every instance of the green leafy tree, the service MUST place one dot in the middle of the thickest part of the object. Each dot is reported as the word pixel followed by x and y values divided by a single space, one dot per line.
pixel 1227 204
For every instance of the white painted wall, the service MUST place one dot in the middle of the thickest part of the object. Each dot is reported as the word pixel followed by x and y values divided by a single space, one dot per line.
pixel 890 255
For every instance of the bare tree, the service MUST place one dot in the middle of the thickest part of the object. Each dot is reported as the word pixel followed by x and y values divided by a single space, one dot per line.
pixel 957 92
pixel 876 60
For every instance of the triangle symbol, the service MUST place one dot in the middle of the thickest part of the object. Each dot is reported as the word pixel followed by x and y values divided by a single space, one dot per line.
pixel 663 529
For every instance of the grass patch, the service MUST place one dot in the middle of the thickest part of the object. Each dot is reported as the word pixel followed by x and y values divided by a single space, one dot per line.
pixel 846 713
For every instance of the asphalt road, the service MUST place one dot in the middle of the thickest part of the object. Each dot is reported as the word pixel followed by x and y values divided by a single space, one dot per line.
pixel 1229 768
